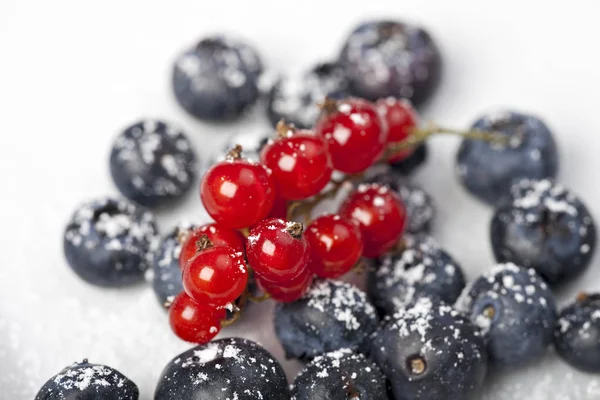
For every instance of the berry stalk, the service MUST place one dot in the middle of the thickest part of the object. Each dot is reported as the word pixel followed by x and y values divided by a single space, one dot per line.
pixel 419 135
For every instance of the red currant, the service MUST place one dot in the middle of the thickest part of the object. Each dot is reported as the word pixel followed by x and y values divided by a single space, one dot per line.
pixel 279 209
pixel 193 322
pixel 217 234
pixel 216 276
pixel 300 163
pixel 335 245
pixel 237 193
pixel 354 132
pixel 381 217
pixel 291 291
pixel 401 118
pixel 277 250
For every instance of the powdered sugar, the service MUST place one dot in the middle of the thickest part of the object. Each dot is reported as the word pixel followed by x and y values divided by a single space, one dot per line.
pixel 113 224
pixel 555 198
pixel 345 300
pixel 154 158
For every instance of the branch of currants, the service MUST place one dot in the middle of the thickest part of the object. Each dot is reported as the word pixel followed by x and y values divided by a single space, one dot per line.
pixel 420 135
pixel 304 208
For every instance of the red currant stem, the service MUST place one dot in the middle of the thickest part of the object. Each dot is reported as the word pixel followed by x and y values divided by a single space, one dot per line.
pixel 419 135
pixel 183 235
pixel 235 153
pixel 295 229
pixel 305 207
pixel 283 129
pixel 328 106
pixel 360 267
pixel 203 243
pixel 400 246
pixel 245 232
pixel 235 318
pixel 168 302
pixel 259 299
pixel 239 307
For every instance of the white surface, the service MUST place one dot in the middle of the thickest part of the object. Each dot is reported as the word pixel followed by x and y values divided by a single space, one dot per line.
pixel 72 74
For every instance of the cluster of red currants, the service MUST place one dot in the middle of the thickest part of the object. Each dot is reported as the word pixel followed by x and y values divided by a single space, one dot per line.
pixel 241 196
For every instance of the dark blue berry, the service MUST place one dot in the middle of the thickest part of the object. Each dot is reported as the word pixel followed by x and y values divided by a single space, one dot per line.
pixel 388 58
pixel 577 334
pixel 545 227
pixel 430 351
pixel 488 170
pixel 340 375
pixel 515 310
pixel 224 369
pixel 85 381
pixel 420 208
pixel 107 242
pixel 412 162
pixel 295 99
pixel 166 280
pixel 217 79
pixel 420 269
pixel 152 163
pixel 330 316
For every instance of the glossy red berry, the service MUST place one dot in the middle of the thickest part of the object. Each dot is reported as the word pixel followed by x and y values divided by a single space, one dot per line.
pixel 335 245
pixel 291 291
pixel 300 164
pixel 216 276
pixel 401 119
pixel 194 322
pixel 277 250
pixel 381 217
pixel 279 209
pixel 237 193
pixel 354 132
pixel 217 234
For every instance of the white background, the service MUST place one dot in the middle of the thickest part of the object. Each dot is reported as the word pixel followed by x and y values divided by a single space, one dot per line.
pixel 73 73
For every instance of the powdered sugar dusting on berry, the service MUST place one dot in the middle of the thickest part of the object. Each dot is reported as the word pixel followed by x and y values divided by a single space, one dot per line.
pixel 342 367
pixel 210 366
pixel 295 98
pixel 156 157
pixel 529 194
pixel 346 299
pixel 84 377
pixel 113 224
pixel 421 267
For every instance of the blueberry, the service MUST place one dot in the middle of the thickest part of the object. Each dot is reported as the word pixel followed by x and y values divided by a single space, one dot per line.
pixel 225 369
pixel 388 58
pixel 294 99
pixel 544 227
pixel 330 316
pixel 430 351
pixel 85 381
pixel 152 163
pixel 420 269
pixel 217 79
pixel 577 334
pixel 411 163
pixel 420 208
pixel 488 170
pixel 166 280
pixel 107 242
pixel 515 310
pixel 340 375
